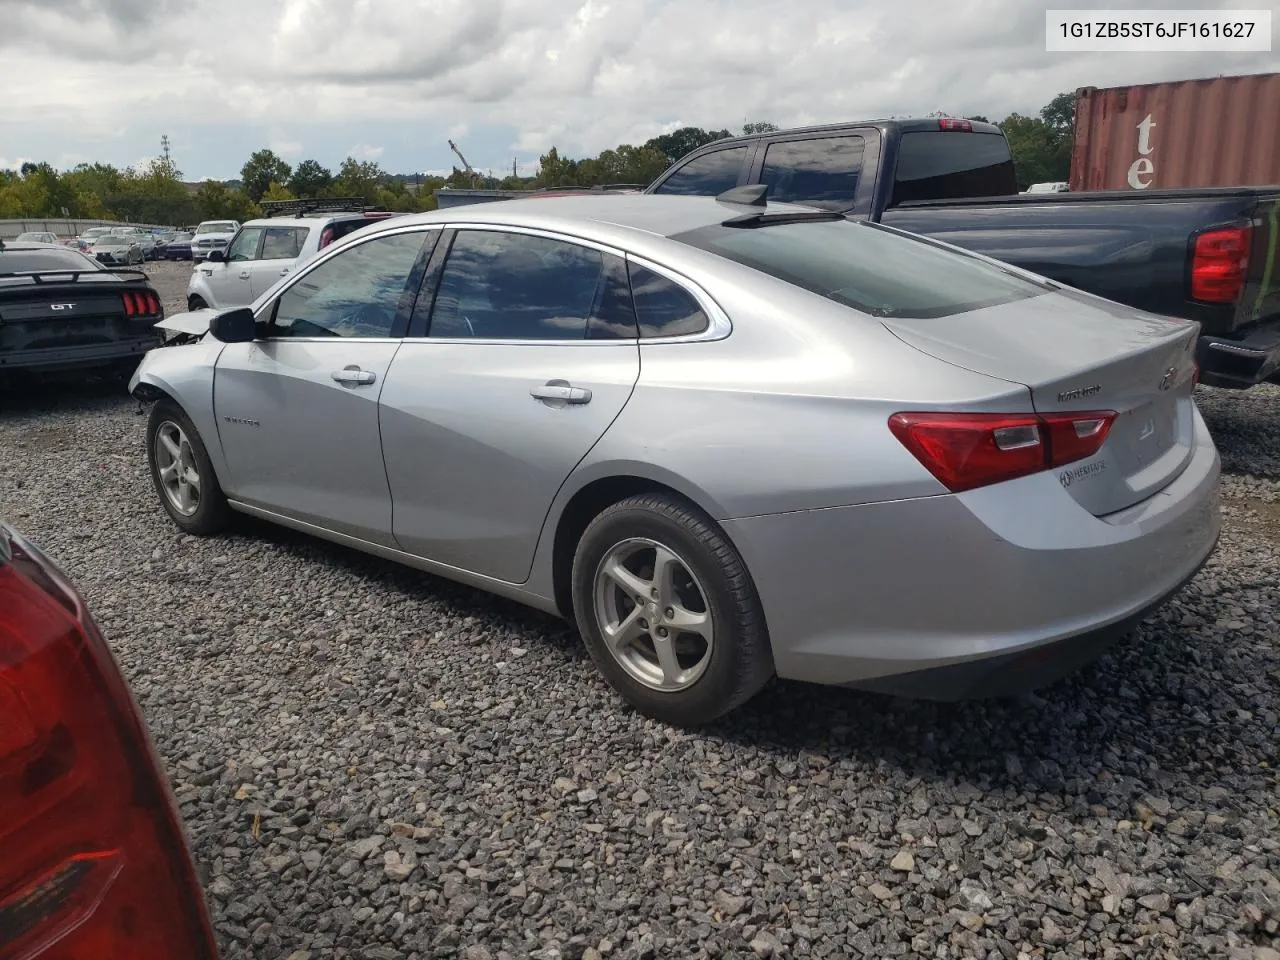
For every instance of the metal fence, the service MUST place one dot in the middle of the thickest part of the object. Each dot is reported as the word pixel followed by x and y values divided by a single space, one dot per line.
pixel 65 228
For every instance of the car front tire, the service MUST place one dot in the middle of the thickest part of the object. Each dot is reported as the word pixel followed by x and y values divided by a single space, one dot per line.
pixel 668 611
pixel 182 472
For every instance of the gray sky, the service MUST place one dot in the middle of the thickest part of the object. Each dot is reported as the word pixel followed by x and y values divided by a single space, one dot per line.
pixel 392 80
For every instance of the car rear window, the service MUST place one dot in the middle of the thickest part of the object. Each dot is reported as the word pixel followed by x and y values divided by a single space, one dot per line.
pixel 28 261
pixel 871 268
pixel 948 165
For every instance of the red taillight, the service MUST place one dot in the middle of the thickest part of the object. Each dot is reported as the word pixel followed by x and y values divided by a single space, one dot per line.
pixel 93 861
pixel 1219 263
pixel 949 123
pixel 968 450
pixel 141 304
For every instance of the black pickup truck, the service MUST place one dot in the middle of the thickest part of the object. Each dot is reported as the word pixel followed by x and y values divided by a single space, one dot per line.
pixel 1208 255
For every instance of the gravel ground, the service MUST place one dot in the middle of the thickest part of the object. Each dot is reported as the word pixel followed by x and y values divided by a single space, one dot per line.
pixel 373 763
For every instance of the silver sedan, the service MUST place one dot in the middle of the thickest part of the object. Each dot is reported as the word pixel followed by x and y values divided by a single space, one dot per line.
pixel 729 439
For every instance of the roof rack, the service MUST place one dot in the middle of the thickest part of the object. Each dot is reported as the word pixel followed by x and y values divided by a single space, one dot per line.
pixel 284 208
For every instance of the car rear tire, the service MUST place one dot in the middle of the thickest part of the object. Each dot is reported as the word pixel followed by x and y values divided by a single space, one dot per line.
pixel 196 303
pixel 668 611
pixel 182 472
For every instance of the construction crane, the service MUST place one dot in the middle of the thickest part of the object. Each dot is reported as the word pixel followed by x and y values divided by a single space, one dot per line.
pixel 475 177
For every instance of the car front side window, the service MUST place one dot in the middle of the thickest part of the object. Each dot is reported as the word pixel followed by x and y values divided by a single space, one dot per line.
pixel 357 293
pixel 245 245
pixel 498 285
pixel 707 175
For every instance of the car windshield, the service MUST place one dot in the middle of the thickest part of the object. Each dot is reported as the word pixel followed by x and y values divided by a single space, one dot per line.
pixel 96 231
pixel 116 238
pixel 35 237
pixel 27 261
pixel 216 228
pixel 871 268
pixel 179 237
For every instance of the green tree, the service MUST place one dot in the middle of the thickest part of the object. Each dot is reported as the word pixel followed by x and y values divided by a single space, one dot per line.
pixel 277 191
pixel 1041 146
pixel 262 167
pixel 677 143
pixel 1060 114
pixel 215 201
pixel 310 179
pixel 357 178
pixel 758 127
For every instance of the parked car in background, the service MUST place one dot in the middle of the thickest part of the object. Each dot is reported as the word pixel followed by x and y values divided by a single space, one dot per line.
pixel 265 250
pixel 61 311
pixel 118 248
pixel 90 235
pixel 96 863
pixel 37 236
pixel 212 235
pixel 726 438
pixel 1209 255
pixel 176 246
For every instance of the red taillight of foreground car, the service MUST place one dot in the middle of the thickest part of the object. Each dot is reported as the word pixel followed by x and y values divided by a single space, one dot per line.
pixel 143 303
pixel 93 861
pixel 968 450
pixel 1219 264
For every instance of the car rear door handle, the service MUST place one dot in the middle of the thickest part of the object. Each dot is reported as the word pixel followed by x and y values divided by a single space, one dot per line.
pixel 244 274
pixel 353 375
pixel 561 390
pixel 284 271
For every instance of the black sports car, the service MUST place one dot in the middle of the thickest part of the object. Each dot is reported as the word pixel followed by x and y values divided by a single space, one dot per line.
pixel 63 311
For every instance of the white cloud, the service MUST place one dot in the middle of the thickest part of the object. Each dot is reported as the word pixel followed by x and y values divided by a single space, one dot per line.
pixel 580 74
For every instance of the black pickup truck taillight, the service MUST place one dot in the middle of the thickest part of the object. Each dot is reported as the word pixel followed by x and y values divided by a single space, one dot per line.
pixel 1219 264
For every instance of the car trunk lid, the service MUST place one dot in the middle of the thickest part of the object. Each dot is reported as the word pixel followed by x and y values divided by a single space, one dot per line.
pixel 1078 353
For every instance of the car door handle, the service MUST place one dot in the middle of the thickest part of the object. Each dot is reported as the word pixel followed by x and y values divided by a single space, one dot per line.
pixel 353 375
pixel 284 271
pixel 244 274
pixel 561 390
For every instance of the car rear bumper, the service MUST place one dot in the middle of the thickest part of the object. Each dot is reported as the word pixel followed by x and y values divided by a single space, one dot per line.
pixel 50 359
pixel 983 593
pixel 1250 360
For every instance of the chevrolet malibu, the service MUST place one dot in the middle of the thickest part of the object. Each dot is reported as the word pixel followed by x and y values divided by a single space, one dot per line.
pixel 728 438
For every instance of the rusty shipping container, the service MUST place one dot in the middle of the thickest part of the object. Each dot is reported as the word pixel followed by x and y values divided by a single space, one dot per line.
pixel 1222 132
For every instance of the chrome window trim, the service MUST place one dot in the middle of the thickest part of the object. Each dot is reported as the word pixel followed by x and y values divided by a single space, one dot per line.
pixel 316 262
pixel 719 325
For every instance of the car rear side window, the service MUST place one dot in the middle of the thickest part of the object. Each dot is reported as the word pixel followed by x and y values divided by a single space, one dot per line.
pixel 356 293
pixel 875 270
pixel 664 308
pixel 283 243
pixel 818 172
pixel 512 286
pixel 946 165
pixel 707 175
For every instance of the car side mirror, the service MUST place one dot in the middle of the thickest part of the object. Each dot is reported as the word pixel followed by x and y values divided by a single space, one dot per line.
pixel 234 326
pixel 217 256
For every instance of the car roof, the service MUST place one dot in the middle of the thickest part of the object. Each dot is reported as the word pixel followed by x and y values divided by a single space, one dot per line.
pixel 31 245
pixel 600 217
pixel 314 220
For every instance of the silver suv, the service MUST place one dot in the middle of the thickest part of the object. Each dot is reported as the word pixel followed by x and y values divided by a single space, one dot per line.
pixel 265 250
